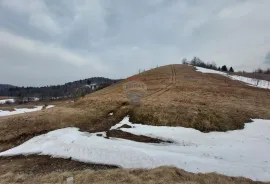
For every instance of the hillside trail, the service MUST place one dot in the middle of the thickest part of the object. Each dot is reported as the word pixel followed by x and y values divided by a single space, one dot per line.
pixel 171 84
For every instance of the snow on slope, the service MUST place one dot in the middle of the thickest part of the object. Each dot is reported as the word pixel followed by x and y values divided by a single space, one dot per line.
pixel 7 100
pixel 234 153
pixel 250 81
pixel 23 110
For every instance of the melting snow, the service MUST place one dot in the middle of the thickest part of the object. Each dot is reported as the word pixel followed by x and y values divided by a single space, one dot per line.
pixel 7 100
pixel 50 106
pixel 23 110
pixel 234 153
pixel 250 81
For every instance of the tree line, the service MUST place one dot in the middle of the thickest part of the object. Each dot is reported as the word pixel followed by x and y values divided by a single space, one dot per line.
pixel 209 65
pixel 67 90
pixel 259 70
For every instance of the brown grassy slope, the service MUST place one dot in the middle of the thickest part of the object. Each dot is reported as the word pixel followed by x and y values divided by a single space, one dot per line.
pixel 177 96
pixel 132 176
pixel 180 96
pixel 206 102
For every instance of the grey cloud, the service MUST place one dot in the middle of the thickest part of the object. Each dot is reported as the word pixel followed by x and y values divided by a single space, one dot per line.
pixel 72 39
pixel 267 58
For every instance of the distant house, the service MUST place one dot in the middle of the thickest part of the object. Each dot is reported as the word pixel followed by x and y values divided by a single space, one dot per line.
pixel 91 86
pixel 30 99
pixel 94 86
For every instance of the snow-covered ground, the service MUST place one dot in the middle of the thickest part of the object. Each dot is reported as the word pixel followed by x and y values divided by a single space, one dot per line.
pixel 250 81
pixel 234 153
pixel 23 110
pixel 7 100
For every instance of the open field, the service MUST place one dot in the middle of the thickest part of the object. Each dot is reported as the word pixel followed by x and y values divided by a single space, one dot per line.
pixel 133 176
pixel 4 97
pixel 177 95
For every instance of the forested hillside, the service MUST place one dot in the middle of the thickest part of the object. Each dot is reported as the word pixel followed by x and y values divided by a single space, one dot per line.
pixel 70 89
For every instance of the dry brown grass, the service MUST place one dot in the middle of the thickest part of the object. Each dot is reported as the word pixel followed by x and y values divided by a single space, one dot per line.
pixel 4 97
pixel 177 96
pixel 19 128
pixel 160 175
pixel 207 102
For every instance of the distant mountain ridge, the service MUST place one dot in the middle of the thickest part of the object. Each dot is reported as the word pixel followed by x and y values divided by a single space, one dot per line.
pixel 70 89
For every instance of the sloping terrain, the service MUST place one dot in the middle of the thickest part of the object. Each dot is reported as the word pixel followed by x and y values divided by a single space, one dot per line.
pixel 234 153
pixel 160 175
pixel 177 95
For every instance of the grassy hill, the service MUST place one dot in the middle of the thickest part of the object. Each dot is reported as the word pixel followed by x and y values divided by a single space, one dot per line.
pixel 177 95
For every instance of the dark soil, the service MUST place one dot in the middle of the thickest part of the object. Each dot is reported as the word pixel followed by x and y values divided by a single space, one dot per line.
pixel 137 138
pixel 36 164
pixel 125 126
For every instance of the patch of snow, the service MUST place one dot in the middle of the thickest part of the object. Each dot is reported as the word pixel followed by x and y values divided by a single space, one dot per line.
pixel 50 106
pixel 110 114
pixel 124 121
pixel 23 110
pixel 7 100
pixel 35 99
pixel 250 81
pixel 234 153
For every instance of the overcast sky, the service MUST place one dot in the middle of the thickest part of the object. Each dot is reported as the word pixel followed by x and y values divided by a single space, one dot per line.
pixel 44 42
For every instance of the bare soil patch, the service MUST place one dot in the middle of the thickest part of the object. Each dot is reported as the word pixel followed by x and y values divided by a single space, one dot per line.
pixel 36 164
pixel 138 138
pixel 125 126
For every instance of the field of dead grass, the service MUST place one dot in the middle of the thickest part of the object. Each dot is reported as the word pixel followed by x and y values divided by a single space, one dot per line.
pixel 176 95
pixel 160 175
pixel 4 97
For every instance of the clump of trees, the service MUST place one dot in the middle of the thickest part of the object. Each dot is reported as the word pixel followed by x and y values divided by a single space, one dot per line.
pixel 259 70
pixel 209 65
